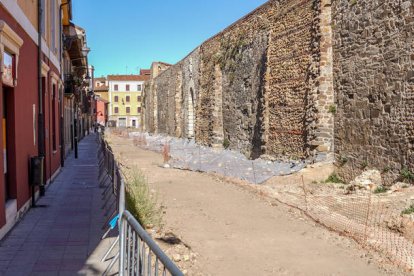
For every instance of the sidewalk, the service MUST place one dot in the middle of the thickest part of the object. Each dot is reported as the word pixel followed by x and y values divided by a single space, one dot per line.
pixel 62 237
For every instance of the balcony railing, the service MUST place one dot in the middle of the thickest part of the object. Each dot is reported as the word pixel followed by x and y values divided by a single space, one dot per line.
pixel 69 84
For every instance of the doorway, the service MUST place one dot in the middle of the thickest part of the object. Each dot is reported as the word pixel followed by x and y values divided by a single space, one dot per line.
pixel 7 148
pixel 191 114
pixel 122 122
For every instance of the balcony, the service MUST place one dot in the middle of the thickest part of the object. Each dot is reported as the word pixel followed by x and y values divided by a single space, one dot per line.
pixel 70 87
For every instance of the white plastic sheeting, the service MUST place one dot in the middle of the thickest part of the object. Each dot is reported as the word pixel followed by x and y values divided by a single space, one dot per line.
pixel 186 154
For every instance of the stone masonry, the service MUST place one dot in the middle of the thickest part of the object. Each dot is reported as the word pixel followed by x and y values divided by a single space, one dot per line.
pixel 253 87
pixel 296 78
pixel 374 84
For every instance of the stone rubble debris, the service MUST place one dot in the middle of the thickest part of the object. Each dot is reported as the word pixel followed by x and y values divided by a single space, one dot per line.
pixel 369 180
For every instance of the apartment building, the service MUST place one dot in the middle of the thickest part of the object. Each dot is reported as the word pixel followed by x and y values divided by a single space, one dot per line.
pixel 102 100
pixel 125 97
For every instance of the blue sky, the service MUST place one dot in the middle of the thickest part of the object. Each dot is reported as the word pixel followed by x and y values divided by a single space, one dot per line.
pixel 125 35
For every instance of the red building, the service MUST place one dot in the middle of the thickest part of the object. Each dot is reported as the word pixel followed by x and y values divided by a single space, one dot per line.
pixel 101 111
pixel 31 99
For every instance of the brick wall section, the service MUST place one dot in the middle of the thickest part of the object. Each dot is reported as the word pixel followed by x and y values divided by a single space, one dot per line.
pixel 205 119
pixel 257 85
pixel 374 84
pixel 290 79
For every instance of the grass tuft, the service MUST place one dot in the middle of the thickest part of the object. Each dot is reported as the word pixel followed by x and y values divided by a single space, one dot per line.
pixel 332 109
pixel 141 203
pixel 334 178
pixel 380 190
pixel 409 210
pixel 407 175
pixel 226 143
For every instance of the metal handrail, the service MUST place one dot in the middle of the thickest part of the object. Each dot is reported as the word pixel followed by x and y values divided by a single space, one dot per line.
pixel 132 237
pixel 135 254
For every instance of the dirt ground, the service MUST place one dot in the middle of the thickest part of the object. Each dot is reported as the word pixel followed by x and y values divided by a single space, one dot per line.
pixel 226 228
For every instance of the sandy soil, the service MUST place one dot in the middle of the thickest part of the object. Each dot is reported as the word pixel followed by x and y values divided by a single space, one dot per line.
pixel 230 230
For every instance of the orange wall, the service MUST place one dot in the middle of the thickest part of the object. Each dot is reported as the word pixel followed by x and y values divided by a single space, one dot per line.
pixel 100 112
pixel 29 7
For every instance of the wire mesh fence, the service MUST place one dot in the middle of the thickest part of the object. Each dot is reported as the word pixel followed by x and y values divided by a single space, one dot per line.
pixel 373 220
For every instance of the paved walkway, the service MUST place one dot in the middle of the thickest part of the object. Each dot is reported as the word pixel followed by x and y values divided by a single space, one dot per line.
pixel 63 236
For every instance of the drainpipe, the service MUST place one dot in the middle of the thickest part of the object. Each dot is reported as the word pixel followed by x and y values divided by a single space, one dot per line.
pixel 41 123
pixel 50 130
pixel 61 102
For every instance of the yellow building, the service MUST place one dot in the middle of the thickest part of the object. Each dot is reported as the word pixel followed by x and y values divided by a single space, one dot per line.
pixel 101 88
pixel 125 97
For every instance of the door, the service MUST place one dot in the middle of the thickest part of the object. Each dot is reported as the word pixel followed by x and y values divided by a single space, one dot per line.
pixel 122 122
pixel 6 150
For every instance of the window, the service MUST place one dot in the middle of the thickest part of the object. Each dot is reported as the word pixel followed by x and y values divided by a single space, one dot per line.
pixel 128 109
pixel 139 87
pixel 116 110
pixel 139 98
pixel 116 99
pixel 127 87
pixel 127 98
pixel 53 24
pixel 43 21
pixel 53 117
pixel 8 65
pixel 116 87
pixel 139 109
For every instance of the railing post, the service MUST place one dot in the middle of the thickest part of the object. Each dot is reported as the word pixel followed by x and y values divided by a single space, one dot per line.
pixel 121 226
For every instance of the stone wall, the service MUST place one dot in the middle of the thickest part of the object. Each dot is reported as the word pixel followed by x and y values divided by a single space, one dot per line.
pixel 149 115
pixel 374 84
pixel 263 86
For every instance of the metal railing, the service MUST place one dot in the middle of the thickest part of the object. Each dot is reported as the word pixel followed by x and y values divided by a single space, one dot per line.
pixel 138 254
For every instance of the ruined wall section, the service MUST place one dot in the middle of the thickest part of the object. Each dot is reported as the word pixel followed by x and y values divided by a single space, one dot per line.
pixel 253 87
pixel 242 58
pixel 290 80
pixel 374 83
pixel 162 88
pixel 206 121
pixel 147 108
pixel 190 92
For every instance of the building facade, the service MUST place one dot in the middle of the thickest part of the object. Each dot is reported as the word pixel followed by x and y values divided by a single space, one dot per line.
pixel 77 73
pixel 32 101
pixel 125 97
pixel 102 103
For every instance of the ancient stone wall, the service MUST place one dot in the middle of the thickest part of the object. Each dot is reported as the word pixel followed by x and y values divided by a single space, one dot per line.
pixel 293 58
pixel 190 92
pixel 166 89
pixel 150 99
pixel 262 86
pixel 374 84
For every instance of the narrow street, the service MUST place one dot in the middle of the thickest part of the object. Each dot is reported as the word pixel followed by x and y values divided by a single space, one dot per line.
pixel 62 235
pixel 235 232
pixel 206 138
